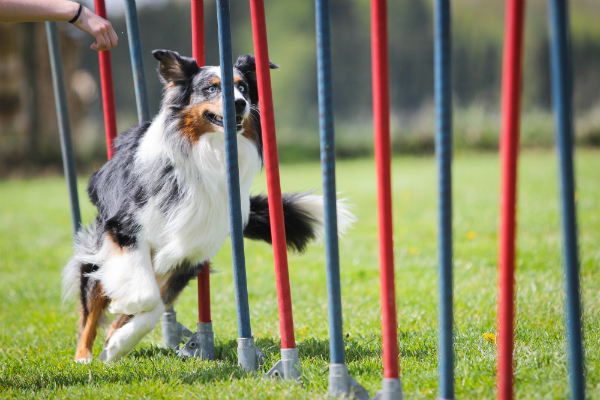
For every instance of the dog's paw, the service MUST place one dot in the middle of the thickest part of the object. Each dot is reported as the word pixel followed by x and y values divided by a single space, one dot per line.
pixel 83 357
pixel 133 305
pixel 113 351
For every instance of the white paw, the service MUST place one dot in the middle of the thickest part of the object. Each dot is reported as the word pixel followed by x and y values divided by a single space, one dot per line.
pixel 84 360
pixel 114 350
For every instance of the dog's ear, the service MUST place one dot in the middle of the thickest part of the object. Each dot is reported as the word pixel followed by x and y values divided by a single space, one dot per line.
pixel 174 68
pixel 246 64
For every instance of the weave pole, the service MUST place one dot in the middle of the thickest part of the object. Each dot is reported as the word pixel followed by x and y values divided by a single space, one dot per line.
pixel 340 382
pixel 64 125
pixel 137 61
pixel 198 54
pixel 247 357
pixel 443 152
pixel 204 318
pixel 202 343
pixel 509 144
pixel 289 365
pixel 392 386
pixel 108 95
pixel 563 117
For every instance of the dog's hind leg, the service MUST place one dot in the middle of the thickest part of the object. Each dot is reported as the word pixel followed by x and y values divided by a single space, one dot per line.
pixel 92 310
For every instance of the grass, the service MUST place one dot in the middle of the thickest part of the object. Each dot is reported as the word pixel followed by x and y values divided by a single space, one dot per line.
pixel 38 335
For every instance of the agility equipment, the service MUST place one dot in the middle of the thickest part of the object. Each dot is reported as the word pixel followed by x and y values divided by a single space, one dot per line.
pixel 392 386
pixel 289 366
pixel 137 61
pixel 509 141
pixel 340 382
pixel 247 352
pixel 443 155
pixel 64 126
pixel 108 94
pixel 560 63
pixel 202 343
pixel 509 144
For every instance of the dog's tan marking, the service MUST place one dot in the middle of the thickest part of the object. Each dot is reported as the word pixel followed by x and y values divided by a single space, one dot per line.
pixel 192 123
pixel 215 80
pixel 114 249
pixel 236 79
pixel 85 344
pixel 117 323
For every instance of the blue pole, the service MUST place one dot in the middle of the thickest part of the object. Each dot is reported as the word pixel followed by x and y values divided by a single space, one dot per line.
pixel 64 127
pixel 233 177
pixel 334 296
pixel 443 151
pixel 562 103
pixel 137 61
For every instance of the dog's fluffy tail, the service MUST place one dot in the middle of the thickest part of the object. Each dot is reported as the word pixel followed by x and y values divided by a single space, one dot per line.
pixel 303 214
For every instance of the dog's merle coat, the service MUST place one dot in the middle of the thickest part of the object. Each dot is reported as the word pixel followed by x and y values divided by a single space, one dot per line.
pixel 162 204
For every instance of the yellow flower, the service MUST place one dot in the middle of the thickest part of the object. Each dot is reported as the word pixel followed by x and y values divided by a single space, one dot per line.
pixel 471 235
pixel 490 337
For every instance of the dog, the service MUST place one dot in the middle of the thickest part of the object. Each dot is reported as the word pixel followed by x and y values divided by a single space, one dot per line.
pixel 162 205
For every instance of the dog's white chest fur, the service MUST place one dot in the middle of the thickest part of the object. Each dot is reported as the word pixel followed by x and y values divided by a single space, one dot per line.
pixel 194 228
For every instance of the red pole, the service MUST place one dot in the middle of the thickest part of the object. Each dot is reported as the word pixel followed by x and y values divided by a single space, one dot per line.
pixel 381 120
pixel 108 95
pixel 259 32
pixel 198 31
pixel 198 53
pixel 509 147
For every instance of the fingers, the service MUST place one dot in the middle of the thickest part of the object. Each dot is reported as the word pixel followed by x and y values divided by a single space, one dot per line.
pixel 113 36
pixel 99 28
pixel 106 36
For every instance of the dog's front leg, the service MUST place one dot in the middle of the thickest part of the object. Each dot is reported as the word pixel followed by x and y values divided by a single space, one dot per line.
pixel 128 279
pixel 125 338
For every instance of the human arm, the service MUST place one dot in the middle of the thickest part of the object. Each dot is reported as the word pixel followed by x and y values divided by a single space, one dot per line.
pixel 60 10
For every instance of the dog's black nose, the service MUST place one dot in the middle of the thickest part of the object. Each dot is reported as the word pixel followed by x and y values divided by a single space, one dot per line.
pixel 240 106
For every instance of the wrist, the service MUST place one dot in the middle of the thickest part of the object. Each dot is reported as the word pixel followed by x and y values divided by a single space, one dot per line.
pixel 70 10
pixel 77 15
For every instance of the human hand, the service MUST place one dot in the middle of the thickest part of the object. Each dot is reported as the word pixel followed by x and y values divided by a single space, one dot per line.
pixel 99 28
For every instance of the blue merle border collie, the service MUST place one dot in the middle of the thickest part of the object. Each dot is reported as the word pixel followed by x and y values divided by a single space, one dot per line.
pixel 163 209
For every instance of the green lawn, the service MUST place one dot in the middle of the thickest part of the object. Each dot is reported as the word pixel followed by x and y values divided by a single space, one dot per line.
pixel 38 334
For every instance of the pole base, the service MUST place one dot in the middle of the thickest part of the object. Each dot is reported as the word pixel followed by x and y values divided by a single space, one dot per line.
pixel 392 390
pixel 249 356
pixel 341 384
pixel 201 344
pixel 288 368
pixel 173 332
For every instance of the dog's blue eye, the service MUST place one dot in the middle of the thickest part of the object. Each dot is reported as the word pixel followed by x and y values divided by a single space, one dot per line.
pixel 242 89
pixel 212 89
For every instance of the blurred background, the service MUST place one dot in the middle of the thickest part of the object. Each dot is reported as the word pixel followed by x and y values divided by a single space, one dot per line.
pixel 29 142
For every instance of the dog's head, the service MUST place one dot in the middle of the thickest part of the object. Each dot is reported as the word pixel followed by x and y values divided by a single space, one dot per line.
pixel 194 94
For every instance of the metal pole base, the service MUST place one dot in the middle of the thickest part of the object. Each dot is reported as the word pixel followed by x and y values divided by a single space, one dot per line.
pixel 249 356
pixel 392 390
pixel 288 368
pixel 172 331
pixel 341 384
pixel 201 344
